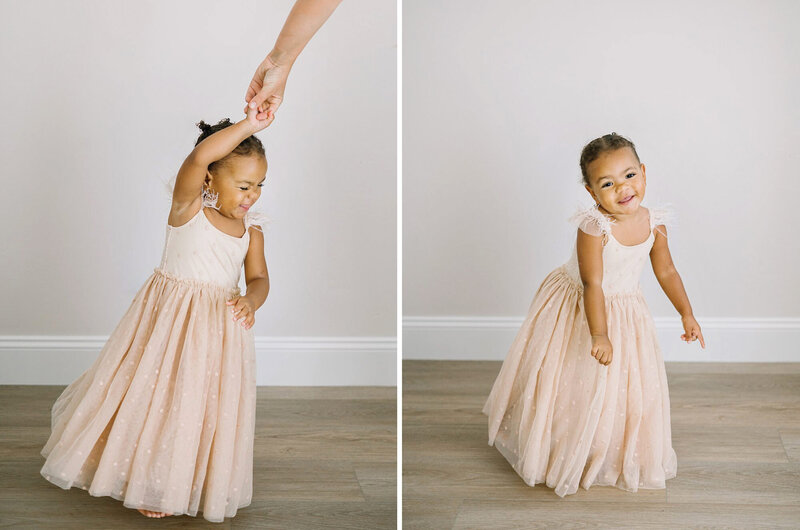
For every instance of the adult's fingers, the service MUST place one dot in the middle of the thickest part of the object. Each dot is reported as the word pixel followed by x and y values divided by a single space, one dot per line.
pixel 250 93
pixel 247 109
pixel 260 97
pixel 270 105
pixel 255 85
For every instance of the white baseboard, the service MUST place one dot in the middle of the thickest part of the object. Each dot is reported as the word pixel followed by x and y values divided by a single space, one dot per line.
pixel 290 361
pixel 489 338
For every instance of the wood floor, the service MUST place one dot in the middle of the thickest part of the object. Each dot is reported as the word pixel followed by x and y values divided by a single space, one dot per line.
pixel 324 457
pixel 735 429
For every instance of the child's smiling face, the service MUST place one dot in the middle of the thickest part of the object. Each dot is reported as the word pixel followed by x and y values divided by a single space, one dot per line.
pixel 238 182
pixel 617 181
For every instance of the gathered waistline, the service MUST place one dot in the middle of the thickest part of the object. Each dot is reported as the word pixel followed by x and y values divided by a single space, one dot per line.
pixel 578 285
pixel 229 292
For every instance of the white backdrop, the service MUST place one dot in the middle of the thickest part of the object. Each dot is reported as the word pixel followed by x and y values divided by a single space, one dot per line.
pixel 100 101
pixel 499 99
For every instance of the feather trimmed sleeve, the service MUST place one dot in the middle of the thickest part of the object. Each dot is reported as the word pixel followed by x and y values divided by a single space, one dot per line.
pixel 169 187
pixel 662 215
pixel 592 221
pixel 255 219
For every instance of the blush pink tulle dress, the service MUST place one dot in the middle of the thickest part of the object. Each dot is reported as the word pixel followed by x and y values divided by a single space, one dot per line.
pixel 164 419
pixel 560 417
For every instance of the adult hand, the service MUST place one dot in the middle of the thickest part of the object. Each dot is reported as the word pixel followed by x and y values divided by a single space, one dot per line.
pixel 265 92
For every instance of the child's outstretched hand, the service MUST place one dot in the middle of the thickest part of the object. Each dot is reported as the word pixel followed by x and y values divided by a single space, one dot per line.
pixel 601 349
pixel 243 310
pixel 255 123
pixel 692 330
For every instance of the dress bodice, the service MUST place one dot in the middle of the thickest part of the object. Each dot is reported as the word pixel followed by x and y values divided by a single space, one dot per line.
pixel 198 250
pixel 622 264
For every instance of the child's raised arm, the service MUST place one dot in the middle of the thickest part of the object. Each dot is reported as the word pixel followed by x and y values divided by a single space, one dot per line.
pixel 590 263
pixel 670 281
pixel 189 182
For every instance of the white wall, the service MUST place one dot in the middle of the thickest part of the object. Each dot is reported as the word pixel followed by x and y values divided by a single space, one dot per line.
pixel 499 99
pixel 99 101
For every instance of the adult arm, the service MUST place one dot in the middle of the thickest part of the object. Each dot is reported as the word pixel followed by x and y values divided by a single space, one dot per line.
pixel 269 81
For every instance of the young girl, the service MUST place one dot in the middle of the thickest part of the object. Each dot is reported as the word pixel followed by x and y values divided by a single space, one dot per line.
pixel 582 395
pixel 164 418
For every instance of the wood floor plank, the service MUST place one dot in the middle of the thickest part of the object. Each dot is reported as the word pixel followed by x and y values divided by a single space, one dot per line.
pixel 322 480
pixel 456 410
pixel 791 443
pixel 771 414
pixel 96 512
pixel 356 443
pixel 735 429
pixel 453 440
pixel 330 413
pixel 421 513
pixel 737 388
pixel 732 368
pixel 726 443
pixel 741 483
pixel 318 515
pixel 324 457
pixel 22 442
pixel 484 514
pixel 378 481
pixel 327 392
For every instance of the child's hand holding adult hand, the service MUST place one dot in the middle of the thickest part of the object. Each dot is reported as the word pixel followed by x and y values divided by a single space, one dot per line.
pixel 244 311
pixel 601 349
pixel 692 330
pixel 256 124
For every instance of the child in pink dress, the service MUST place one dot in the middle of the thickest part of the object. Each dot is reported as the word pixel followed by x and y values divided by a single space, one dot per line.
pixel 164 419
pixel 582 398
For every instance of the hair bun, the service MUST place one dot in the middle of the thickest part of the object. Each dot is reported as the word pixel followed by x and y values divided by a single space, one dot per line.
pixel 247 147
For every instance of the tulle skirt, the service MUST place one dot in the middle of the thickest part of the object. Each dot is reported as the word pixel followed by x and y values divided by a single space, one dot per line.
pixel 165 417
pixel 561 418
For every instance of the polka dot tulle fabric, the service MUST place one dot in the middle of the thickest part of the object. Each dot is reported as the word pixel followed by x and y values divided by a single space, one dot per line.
pixel 165 417
pixel 560 417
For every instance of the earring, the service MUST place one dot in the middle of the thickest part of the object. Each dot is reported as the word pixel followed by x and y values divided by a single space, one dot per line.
pixel 210 198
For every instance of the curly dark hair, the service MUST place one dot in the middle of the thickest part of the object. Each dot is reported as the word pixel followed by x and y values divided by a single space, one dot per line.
pixel 604 144
pixel 250 146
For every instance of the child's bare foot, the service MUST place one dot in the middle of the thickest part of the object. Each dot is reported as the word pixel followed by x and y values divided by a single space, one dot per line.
pixel 149 513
